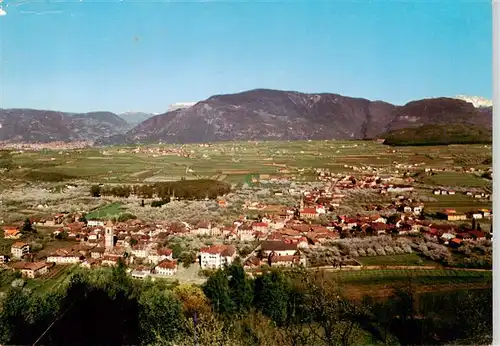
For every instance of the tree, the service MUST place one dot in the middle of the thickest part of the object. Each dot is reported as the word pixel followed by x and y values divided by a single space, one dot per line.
pixel 271 295
pixel 95 191
pixel 27 227
pixel 187 258
pixel 241 288
pixel 160 316
pixel 193 300
pixel 217 290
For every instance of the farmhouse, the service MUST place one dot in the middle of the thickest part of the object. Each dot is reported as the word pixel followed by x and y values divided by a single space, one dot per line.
pixel 19 249
pixel 34 269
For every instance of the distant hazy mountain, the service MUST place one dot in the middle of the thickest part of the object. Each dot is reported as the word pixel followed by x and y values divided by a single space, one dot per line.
pixel 264 114
pixel 134 118
pixel 31 125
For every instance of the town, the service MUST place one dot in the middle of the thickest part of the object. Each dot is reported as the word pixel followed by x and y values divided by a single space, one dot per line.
pixel 263 236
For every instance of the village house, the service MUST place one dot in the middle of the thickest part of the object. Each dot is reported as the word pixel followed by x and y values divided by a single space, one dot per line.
pixel 4 259
pixel 95 223
pixel 475 215
pixel 97 252
pixel 477 235
pixel 141 273
pixel 110 259
pixel 61 256
pixel 309 213
pixel 446 237
pixel 452 215
pixel 203 228
pixel 280 248
pixel 217 256
pixel 140 251
pixel 158 255
pixel 19 249
pixel 245 232
pixel 260 227
pixel 31 270
pixel 286 261
pixel 11 232
pixel 167 267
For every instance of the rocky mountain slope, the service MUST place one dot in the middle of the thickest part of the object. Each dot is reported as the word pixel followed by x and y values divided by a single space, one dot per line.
pixel 264 114
pixel 134 118
pixel 30 125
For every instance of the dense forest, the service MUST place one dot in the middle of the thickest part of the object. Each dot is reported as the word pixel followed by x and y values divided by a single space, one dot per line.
pixel 439 135
pixel 183 189
pixel 107 307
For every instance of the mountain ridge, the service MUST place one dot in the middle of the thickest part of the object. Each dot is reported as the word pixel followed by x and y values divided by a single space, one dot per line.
pixel 268 114
pixel 257 114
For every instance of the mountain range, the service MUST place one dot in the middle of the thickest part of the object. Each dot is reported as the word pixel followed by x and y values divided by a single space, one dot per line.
pixel 260 114
pixel 31 125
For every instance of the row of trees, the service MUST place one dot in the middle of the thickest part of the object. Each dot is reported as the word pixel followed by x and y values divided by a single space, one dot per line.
pixel 296 308
pixel 184 189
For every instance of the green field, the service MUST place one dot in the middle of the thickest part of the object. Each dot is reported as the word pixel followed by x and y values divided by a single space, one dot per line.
pixel 55 278
pixel 457 179
pixel 422 276
pixel 110 210
pixel 411 259
pixel 234 161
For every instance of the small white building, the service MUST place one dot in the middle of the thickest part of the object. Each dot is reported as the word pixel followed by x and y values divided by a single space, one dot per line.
pixel 19 249
pixel 63 257
pixel 141 273
pixel 95 223
pixel 166 268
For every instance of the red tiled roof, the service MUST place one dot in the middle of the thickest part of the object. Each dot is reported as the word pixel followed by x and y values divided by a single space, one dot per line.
pixel 223 250
pixel 168 264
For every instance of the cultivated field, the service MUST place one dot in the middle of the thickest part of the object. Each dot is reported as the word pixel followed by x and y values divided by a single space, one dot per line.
pixel 236 161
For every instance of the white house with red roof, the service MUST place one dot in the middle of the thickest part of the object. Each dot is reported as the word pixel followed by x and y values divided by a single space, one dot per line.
pixel 167 267
pixel 309 213
pixel 216 256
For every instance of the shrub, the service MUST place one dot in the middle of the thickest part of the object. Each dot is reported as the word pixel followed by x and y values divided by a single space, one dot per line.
pixel 370 252
pixel 406 248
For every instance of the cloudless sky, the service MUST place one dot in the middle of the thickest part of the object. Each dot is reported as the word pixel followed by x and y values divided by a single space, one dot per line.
pixel 144 55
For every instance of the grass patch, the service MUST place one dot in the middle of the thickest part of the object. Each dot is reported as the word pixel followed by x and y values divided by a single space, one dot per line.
pixel 109 210
pixel 456 179
pixel 54 279
pixel 411 259
pixel 423 276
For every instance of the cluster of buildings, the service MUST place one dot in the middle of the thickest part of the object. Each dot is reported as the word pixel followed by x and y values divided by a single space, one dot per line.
pixel 279 234
pixel 58 145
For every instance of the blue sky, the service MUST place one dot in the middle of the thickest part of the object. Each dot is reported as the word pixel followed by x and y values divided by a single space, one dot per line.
pixel 142 56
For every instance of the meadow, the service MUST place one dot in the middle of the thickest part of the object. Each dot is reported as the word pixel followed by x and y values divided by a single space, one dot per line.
pixel 236 161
